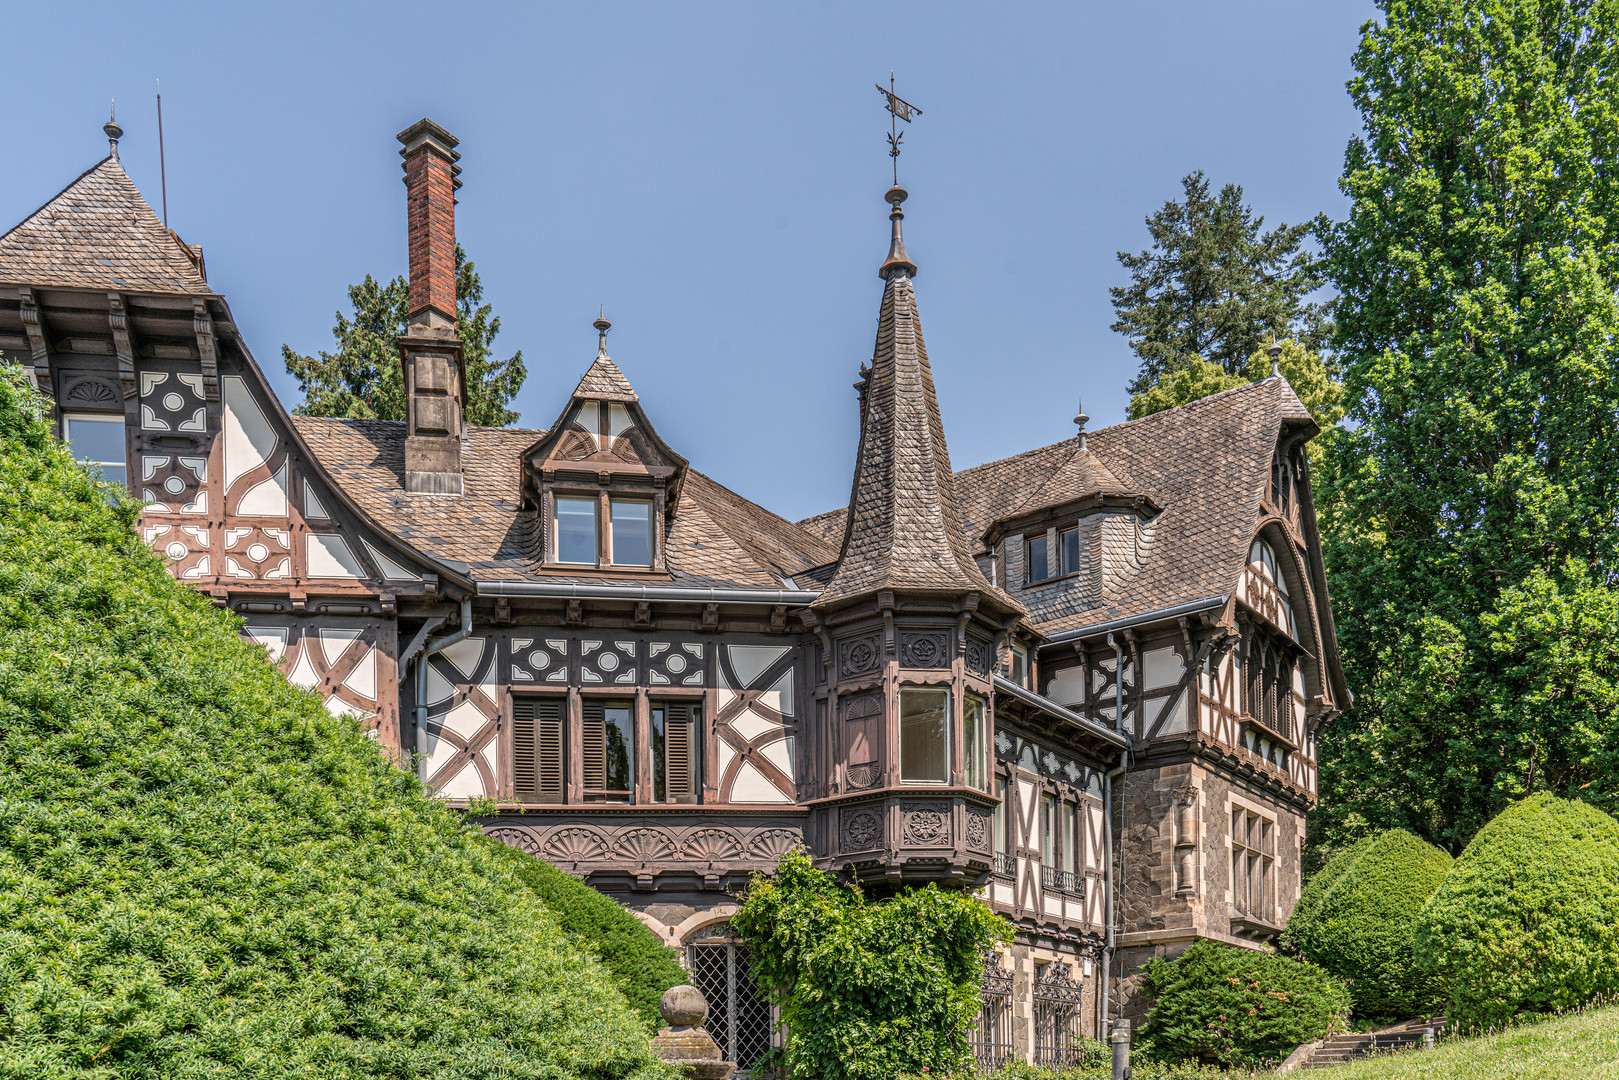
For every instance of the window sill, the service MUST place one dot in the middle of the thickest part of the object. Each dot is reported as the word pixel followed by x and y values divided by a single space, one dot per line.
pixel 1252 926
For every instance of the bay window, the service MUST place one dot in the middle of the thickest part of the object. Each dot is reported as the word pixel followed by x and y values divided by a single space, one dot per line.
pixel 974 741
pixel 924 735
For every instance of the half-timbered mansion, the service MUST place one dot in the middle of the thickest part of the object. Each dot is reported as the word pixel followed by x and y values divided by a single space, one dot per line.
pixel 1085 681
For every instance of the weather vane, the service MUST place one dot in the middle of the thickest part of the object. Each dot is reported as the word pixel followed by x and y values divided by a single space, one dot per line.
pixel 898 109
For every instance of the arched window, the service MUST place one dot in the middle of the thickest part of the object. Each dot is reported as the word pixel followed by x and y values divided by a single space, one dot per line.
pixel 1272 598
pixel 738 1015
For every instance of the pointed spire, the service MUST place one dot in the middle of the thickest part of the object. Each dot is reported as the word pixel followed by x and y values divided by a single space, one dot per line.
pixel 904 527
pixel 114 132
pixel 897 258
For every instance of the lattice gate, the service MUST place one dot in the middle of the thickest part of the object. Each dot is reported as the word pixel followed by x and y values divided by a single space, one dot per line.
pixel 738 1016
pixel 993 1043
pixel 1056 1016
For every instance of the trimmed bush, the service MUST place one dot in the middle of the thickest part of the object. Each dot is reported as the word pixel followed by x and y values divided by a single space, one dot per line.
pixel 1237 1008
pixel 1360 923
pixel 868 991
pixel 204 874
pixel 1527 920
pixel 1319 884
pixel 641 966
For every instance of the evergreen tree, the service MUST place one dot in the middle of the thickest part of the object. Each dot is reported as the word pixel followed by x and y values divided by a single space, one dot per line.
pixel 1214 286
pixel 1471 529
pixel 363 380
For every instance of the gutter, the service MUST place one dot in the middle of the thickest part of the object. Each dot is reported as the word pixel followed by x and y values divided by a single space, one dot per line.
pixel 1189 608
pixel 672 594
pixel 421 684
pixel 1046 705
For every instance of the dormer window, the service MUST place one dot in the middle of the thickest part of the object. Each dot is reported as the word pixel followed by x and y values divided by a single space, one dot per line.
pixel 1039 565
pixel 1068 544
pixel 576 530
pixel 631 532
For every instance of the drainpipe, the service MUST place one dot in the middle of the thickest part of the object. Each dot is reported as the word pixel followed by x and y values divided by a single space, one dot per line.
pixel 1107 826
pixel 436 646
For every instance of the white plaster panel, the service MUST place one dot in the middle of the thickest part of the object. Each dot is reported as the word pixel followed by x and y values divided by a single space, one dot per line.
pixel 267 498
pixel 466 784
pixel 750 786
pixel 750 661
pixel 329 556
pixel 249 439
pixel 273 638
pixel 750 725
pixel 466 720
pixel 1068 688
pixel 391 570
pixel 780 754
pixel 303 672
pixel 363 679
pixel 334 642
pixel 1162 667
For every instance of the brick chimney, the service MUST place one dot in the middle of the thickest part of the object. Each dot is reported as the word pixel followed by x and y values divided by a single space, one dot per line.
pixel 435 384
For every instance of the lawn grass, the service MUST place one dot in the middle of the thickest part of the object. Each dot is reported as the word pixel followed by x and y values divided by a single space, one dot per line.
pixel 1582 1045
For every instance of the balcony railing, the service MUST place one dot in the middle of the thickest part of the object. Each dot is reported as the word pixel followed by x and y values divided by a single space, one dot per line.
pixel 1063 881
pixel 1005 865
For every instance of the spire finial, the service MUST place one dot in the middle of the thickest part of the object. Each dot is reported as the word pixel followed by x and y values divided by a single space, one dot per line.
pixel 602 326
pixel 114 132
pixel 1082 420
pixel 1275 352
pixel 898 109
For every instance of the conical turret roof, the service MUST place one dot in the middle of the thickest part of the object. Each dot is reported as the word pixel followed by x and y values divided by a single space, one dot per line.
pixel 904 527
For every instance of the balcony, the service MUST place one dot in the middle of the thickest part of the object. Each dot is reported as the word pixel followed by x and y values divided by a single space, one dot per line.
pixel 1005 865
pixel 1063 881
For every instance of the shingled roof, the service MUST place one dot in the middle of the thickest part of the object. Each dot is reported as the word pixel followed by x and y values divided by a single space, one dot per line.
pixel 715 538
pixel 1205 463
pixel 100 233
pixel 904 530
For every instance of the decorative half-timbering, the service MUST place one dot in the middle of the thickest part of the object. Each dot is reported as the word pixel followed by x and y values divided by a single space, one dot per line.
pixel 1087 678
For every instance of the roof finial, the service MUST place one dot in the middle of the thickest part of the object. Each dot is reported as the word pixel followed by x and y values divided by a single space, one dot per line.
pixel 1082 420
pixel 898 109
pixel 602 326
pixel 1275 352
pixel 114 132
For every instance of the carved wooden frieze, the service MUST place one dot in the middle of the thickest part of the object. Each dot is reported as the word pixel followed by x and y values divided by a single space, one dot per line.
pixel 979 825
pixel 1015 748
pixel 924 650
pixel 858 655
pixel 862 738
pixel 925 824
pixel 644 846
pixel 860 828
pixel 980 655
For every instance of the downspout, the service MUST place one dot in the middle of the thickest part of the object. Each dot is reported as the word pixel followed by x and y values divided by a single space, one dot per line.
pixel 436 646
pixel 1107 828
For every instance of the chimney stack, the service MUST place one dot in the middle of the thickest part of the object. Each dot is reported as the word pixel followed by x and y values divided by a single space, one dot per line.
pixel 435 383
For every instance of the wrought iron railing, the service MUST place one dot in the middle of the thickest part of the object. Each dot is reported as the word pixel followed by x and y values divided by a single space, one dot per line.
pixel 1064 881
pixel 1056 1017
pixel 1005 865
pixel 992 1040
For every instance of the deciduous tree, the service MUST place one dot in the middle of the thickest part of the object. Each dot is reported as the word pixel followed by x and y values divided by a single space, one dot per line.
pixel 1471 533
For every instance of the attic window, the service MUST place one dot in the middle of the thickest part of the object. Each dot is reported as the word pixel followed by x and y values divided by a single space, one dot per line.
pixel 1039 566
pixel 576 530
pixel 1068 544
pixel 631 522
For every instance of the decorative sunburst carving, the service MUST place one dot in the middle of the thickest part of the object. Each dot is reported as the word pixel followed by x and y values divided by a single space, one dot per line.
pixel 574 845
pixel 521 839
pixel 771 844
pixel 645 845
pixel 712 845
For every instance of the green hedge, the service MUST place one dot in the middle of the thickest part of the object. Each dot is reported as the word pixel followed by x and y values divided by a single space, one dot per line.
pixel 203 874
pixel 641 966
pixel 1360 922
pixel 1527 920
pixel 1237 1008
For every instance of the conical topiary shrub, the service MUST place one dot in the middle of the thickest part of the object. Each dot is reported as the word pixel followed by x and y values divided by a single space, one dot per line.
pixel 203 874
pixel 1527 920
pixel 1360 923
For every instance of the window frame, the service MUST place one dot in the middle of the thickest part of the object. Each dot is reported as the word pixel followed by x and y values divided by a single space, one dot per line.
pixel 946 741
pixel 1264 857
pixel 658 757
pixel 1066 567
pixel 645 503
pixel 1029 540
pixel 975 759
pixel 557 499
pixel 68 419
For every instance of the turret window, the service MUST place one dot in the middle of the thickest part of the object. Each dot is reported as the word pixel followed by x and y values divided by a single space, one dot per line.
pixel 974 741
pixel 1068 541
pixel 924 735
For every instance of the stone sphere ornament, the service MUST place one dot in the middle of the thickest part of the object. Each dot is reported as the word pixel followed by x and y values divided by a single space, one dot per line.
pixel 684 1043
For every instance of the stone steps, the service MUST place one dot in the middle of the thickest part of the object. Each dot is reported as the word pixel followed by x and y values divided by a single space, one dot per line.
pixel 1343 1048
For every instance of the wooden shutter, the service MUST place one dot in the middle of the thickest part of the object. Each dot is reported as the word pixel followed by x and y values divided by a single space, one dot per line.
pixel 537 749
pixel 680 752
pixel 593 754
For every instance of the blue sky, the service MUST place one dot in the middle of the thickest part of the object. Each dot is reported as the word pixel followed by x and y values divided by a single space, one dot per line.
pixel 712 174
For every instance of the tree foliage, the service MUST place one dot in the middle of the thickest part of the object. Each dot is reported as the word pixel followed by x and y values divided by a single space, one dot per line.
pixel 1214 286
pixel 1361 918
pixel 868 991
pixel 1471 526
pixel 1527 920
pixel 1237 1008
pixel 1309 376
pixel 641 966
pixel 203 873
pixel 363 380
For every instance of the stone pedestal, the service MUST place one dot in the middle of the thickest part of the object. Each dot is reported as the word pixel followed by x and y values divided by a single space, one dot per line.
pixel 684 1042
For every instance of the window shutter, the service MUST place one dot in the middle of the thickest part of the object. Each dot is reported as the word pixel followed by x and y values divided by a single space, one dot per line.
pixel 594 751
pixel 537 749
pixel 680 750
